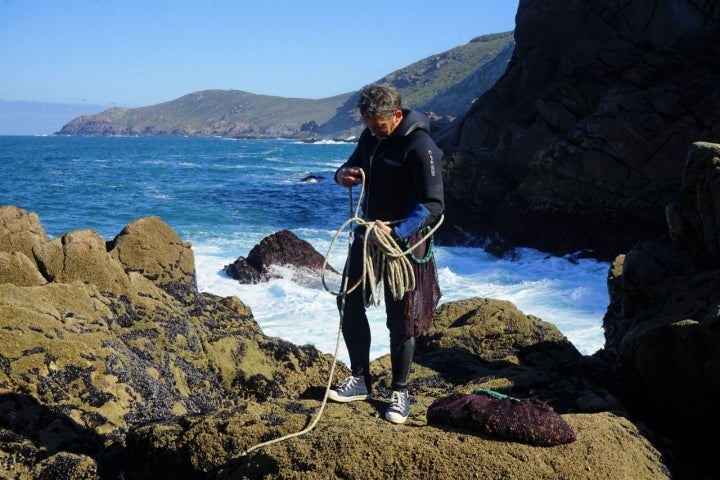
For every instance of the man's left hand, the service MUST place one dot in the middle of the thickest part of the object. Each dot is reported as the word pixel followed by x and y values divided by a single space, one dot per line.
pixel 383 226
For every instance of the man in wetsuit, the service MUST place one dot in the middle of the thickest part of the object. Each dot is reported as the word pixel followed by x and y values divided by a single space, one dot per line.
pixel 404 197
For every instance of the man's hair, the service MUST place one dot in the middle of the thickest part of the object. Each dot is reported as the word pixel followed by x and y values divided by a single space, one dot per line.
pixel 379 100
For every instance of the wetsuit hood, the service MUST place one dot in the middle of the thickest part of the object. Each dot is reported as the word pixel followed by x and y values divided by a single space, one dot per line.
pixel 412 120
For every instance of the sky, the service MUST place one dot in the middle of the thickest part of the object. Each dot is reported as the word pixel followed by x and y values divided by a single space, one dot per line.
pixel 135 53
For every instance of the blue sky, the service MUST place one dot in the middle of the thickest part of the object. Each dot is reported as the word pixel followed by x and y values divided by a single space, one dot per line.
pixel 134 53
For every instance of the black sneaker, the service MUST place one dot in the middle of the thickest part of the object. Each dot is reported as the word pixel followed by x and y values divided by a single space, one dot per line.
pixel 399 408
pixel 352 389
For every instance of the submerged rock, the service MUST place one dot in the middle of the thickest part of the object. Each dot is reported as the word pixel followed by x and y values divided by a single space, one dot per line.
pixel 280 249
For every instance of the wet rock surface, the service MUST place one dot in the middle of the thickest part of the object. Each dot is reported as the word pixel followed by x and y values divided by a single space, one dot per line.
pixel 278 250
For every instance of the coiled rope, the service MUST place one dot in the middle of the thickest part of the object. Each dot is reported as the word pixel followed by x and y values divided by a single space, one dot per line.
pixel 380 254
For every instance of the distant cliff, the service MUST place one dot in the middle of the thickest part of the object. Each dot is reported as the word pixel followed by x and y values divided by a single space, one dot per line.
pixel 443 85
pixel 225 113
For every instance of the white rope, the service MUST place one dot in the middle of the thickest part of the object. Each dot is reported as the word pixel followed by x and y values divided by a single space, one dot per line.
pixel 380 253
pixel 320 410
pixel 337 341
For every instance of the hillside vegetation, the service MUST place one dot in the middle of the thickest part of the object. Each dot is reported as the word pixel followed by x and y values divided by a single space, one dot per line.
pixel 443 85
pixel 232 113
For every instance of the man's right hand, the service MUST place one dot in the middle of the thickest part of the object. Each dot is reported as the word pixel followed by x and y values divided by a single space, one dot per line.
pixel 349 176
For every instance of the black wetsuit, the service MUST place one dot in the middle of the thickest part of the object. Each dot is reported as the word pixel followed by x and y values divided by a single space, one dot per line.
pixel 403 183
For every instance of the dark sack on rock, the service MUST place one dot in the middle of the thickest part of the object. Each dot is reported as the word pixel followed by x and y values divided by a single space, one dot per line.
pixel 528 421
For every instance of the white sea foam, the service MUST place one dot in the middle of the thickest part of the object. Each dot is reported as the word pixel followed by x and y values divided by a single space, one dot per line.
pixel 570 295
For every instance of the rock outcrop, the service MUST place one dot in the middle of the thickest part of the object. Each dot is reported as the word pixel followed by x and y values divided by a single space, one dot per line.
pixel 113 364
pixel 662 328
pixel 278 250
pixel 581 143
pixel 97 338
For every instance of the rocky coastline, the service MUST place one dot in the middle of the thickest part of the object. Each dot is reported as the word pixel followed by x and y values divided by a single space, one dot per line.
pixel 601 138
pixel 115 366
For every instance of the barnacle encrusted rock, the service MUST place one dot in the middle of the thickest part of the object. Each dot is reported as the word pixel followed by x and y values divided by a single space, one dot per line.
pixel 115 365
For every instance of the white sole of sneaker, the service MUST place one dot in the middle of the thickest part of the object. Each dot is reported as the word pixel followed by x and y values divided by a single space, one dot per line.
pixel 332 395
pixel 395 418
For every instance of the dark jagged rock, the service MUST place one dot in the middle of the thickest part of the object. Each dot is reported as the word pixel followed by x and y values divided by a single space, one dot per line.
pixel 581 143
pixel 280 249
pixel 311 178
pixel 243 272
pixel 662 327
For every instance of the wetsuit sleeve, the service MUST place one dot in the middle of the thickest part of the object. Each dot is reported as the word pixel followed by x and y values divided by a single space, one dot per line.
pixel 428 202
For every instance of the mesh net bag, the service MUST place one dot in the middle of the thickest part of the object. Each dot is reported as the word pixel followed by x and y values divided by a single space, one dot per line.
pixel 420 304
pixel 528 421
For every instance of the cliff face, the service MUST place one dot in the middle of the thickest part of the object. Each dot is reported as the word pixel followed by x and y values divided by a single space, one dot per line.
pixel 662 327
pixel 581 143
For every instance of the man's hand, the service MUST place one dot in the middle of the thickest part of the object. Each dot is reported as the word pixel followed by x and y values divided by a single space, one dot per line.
pixel 379 224
pixel 379 238
pixel 349 176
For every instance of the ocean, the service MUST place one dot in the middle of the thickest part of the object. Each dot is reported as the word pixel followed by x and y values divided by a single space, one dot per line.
pixel 224 196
